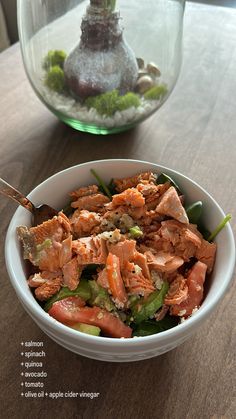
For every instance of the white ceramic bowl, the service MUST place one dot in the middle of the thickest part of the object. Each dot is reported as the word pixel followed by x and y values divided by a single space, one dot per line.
pixel 54 192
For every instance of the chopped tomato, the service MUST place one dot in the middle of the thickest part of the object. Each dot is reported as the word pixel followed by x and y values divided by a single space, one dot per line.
pixel 70 311
pixel 195 281
pixel 68 306
pixel 115 280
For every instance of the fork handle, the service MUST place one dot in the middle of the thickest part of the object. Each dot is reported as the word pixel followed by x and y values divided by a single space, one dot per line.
pixel 9 191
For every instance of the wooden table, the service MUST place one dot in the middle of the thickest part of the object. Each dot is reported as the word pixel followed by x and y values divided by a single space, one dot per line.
pixel 194 133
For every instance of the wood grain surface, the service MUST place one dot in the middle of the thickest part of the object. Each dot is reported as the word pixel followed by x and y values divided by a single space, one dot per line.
pixel 194 132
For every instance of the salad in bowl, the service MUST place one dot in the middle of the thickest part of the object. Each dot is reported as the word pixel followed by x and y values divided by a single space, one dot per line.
pixel 129 268
pixel 123 260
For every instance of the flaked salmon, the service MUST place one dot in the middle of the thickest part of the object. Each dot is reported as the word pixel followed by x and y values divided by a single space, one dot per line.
pixel 133 181
pixel 178 291
pixel 94 203
pixel 48 245
pixel 90 250
pixel 115 281
pixel 194 282
pixel 152 193
pixel 171 206
pixel 130 197
pixel 84 223
pixel 206 253
pixel 102 278
pixel 48 289
pixel 84 191
pixel 141 260
pixel 163 261
pixel 124 250
pixel 71 273
pixel 135 281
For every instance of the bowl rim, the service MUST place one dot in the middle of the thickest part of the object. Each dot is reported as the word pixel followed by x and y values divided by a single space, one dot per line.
pixel 180 330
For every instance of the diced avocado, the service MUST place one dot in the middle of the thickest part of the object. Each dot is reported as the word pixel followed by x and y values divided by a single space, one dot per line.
pixel 145 308
pixel 83 291
pixel 133 300
pixel 100 297
pixel 135 232
pixel 87 328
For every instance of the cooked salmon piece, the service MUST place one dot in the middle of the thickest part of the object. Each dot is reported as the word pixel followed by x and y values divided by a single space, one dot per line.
pixel 171 206
pixel 187 242
pixel 36 280
pixel 124 250
pixel 65 223
pixel 54 256
pixel 137 212
pixel 131 182
pixel 195 281
pixel 102 278
pixel 151 228
pixel 176 238
pixel 65 251
pixel 135 281
pixel 83 223
pixel 141 260
pixel 115 281
pixel 40 278
pixel 192 237
pixel 84 191
pixel 93 203
pixel 163 261
pixel 206 253
pixel 47 245
pixel 129 197
pixel 51 275
pixel 150 218
pixel 48 289
pixel 71 274
pixel 152 193
pixel 90 250
pixel 56 229
pixel 178 291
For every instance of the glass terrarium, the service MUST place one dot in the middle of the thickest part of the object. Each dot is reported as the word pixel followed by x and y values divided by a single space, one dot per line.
pixel 102 66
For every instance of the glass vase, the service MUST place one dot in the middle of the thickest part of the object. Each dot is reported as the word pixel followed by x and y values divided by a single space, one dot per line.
pixel 102 66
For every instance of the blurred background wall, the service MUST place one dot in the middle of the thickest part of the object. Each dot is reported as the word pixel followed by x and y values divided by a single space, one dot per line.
pixel 9 10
